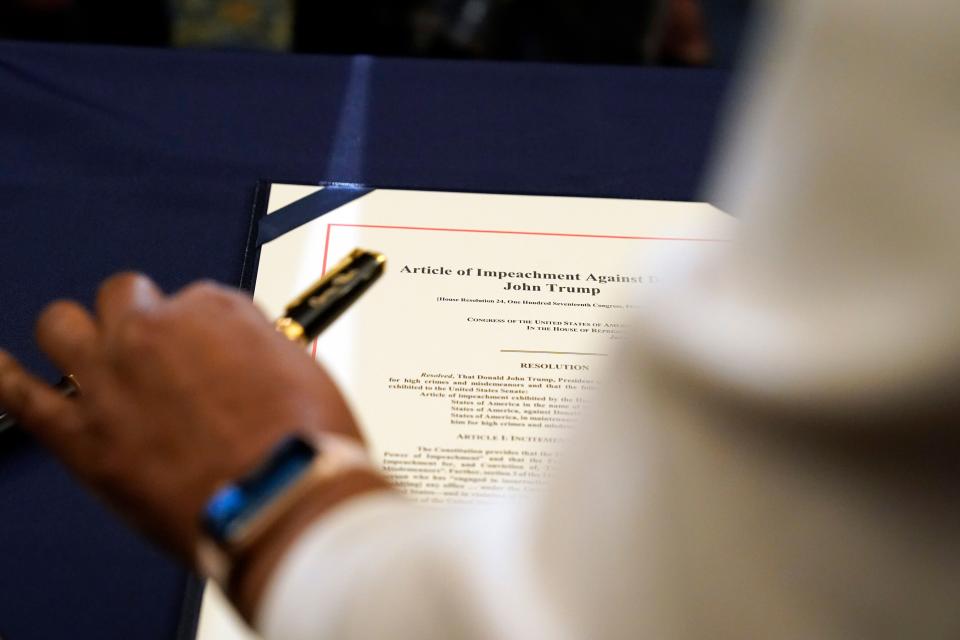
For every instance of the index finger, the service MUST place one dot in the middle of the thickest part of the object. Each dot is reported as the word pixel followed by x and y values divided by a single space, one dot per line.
pixel 122 294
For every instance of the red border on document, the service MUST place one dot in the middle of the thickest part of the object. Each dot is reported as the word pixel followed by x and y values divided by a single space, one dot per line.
pixel 326 244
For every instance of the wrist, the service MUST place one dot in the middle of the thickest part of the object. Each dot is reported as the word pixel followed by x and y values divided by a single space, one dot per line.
pixel 252 572
pixel 249 522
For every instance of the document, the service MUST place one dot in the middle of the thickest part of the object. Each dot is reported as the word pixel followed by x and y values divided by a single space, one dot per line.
pixel 467 364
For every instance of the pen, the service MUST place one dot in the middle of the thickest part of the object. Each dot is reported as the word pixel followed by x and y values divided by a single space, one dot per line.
pixel 303 319
pixel 67 386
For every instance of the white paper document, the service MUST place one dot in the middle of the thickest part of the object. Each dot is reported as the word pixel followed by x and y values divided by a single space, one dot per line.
pixel 467 363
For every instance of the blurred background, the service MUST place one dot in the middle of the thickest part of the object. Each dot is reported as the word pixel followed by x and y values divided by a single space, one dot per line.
pixel 654 32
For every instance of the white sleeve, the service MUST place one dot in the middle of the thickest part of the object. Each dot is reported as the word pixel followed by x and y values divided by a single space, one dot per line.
pixel 776 455
pixel 382 567
pixel 569 564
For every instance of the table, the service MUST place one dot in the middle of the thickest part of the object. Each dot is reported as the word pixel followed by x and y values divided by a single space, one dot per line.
pixel 114 159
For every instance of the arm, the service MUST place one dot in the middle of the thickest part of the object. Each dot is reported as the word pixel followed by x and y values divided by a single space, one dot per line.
pixel 170 410
pixel 779 462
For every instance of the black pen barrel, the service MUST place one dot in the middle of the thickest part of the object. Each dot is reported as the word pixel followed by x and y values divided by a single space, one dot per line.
pixel 7 421
pixel 306 317
pixel 67 386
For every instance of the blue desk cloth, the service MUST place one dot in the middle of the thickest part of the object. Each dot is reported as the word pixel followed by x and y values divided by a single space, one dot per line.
pixel 115 159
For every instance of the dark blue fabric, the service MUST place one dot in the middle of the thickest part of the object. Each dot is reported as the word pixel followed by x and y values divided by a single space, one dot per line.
pixel 117 159
pixel 306 209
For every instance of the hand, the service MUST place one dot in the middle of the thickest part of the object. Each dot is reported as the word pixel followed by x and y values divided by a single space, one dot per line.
pixel 178 395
